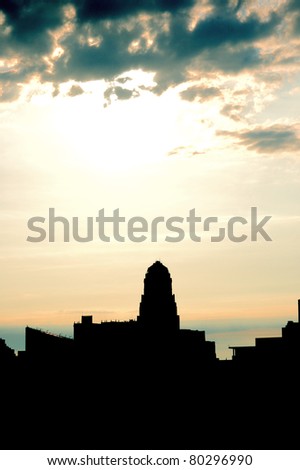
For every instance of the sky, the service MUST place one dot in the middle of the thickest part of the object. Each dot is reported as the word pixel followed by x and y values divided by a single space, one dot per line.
pixel 155 108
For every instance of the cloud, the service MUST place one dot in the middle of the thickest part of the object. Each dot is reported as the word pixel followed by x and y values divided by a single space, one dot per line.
pixel 119 93
pixel 75 90
pixel 232 59
pixel 9 91
pixel 27 24
pixel 185 151
pixel 55 91
pixel 272 139
pixel 203 93
pixel 233 111
pixel 163 45
pixel 82 40
pixel 294 8
pixel 91 10
pixel 270 77
pixel 220 30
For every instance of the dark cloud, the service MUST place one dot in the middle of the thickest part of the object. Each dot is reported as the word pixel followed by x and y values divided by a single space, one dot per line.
pixel 119 93
pixel 233 59
pixel 124 93
pixel 111 58
pixel 273 139
pixel 91 10
pixel 30 21
pixel 220 30
pixel 123 79
pixel 9 91
pixel 106 38
pixel 55 91
pixel 200 92
pixel 173 51
pixel 297 23
pixel 224 6
pixel 75 90
pixel 294 7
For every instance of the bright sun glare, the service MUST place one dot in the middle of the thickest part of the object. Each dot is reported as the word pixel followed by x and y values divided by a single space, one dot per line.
pixel 116 137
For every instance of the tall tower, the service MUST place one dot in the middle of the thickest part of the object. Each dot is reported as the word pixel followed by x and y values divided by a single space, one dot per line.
pixel 158 309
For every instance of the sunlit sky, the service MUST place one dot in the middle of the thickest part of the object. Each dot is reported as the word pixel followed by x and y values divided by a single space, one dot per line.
pixel 154 108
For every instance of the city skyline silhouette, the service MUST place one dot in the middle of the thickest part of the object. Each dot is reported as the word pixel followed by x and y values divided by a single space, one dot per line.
pixel 119 372
pixel 130 130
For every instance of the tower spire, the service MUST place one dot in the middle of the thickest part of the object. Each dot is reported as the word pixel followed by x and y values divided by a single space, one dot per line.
pixel 158 309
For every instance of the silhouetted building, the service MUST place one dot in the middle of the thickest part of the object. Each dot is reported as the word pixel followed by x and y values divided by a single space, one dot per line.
pixel 6 353
pixel 146 380
pixel 44 346
pixel 273 351
pixel 243 353
pixel 154 336
pixel 158 308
